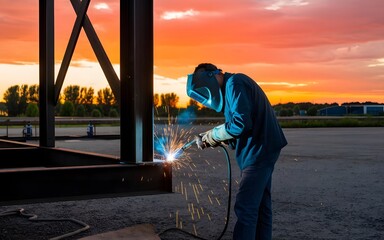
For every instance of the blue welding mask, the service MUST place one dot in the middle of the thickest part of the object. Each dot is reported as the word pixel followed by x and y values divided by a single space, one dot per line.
pixel 204 88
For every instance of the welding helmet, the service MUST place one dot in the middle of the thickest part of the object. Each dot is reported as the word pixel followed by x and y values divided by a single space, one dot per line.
pixel 203 87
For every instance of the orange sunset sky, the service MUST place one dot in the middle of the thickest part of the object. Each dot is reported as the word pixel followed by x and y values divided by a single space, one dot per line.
pixel 320 51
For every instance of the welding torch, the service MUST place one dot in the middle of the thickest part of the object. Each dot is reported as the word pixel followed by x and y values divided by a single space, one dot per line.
pixel 200 144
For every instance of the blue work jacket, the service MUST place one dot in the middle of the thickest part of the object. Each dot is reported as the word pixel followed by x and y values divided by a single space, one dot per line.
pixel 251 120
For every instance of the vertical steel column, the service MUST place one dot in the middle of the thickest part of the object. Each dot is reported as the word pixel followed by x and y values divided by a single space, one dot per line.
pixel 47 73
pixel 136 76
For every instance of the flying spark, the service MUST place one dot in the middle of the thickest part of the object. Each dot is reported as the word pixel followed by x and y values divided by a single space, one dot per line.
pixel 203 201
pixel 168 143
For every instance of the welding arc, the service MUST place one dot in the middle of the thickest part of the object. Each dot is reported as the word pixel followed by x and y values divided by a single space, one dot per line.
pixel 228 205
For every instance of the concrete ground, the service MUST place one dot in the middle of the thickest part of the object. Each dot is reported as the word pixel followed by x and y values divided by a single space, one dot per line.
pixel 327 184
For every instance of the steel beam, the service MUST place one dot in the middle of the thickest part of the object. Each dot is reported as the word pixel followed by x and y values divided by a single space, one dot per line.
pixel 136 76
pixel 47 73
pixel 82 10
pixel 43 173
pixel 38 174
pixel 100 53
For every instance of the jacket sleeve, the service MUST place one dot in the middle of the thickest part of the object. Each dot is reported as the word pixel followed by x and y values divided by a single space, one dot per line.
pixel 238 121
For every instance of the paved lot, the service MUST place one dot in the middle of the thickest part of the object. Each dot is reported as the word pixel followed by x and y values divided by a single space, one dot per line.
pixel 328 184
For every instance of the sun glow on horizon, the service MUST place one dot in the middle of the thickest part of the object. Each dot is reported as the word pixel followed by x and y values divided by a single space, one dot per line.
pixel 89 74
pixel 287 46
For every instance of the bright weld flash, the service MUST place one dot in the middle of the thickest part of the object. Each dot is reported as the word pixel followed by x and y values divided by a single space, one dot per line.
pixel 169 144
pixel 172 156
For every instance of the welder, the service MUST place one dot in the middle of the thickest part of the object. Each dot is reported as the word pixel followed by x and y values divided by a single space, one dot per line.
pixel 251 124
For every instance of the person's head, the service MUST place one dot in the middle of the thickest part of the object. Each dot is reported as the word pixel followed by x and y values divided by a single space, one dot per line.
pixel 211 68
pixel 204 86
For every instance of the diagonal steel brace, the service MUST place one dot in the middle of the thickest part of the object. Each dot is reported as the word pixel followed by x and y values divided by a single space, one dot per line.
pixel 82 20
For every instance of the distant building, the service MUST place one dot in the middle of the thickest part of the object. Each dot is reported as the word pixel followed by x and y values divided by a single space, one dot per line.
pixel 374 110
pixel 303 113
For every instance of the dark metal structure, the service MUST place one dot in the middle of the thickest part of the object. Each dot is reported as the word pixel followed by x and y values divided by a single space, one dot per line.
pixel 31 173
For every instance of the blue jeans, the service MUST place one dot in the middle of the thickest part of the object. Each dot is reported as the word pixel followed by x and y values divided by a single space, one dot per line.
pixel 253 205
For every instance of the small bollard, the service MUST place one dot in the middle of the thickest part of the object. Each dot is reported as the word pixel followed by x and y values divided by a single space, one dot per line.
pixel 90 129
pixel 27 130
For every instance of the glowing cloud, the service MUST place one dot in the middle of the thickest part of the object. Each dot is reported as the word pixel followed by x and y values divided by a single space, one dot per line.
pixel 287 84
pixel 102 6
pixel 281 3
pixel 179 15
pixel 380 62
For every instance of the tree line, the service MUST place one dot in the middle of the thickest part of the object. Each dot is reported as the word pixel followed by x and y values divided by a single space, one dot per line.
pixel 22 100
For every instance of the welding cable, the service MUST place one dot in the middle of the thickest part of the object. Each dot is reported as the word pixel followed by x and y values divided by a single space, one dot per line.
pixel 33 217
pixel 228 203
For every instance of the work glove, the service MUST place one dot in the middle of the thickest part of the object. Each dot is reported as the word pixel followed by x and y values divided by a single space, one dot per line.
pixel 208 140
